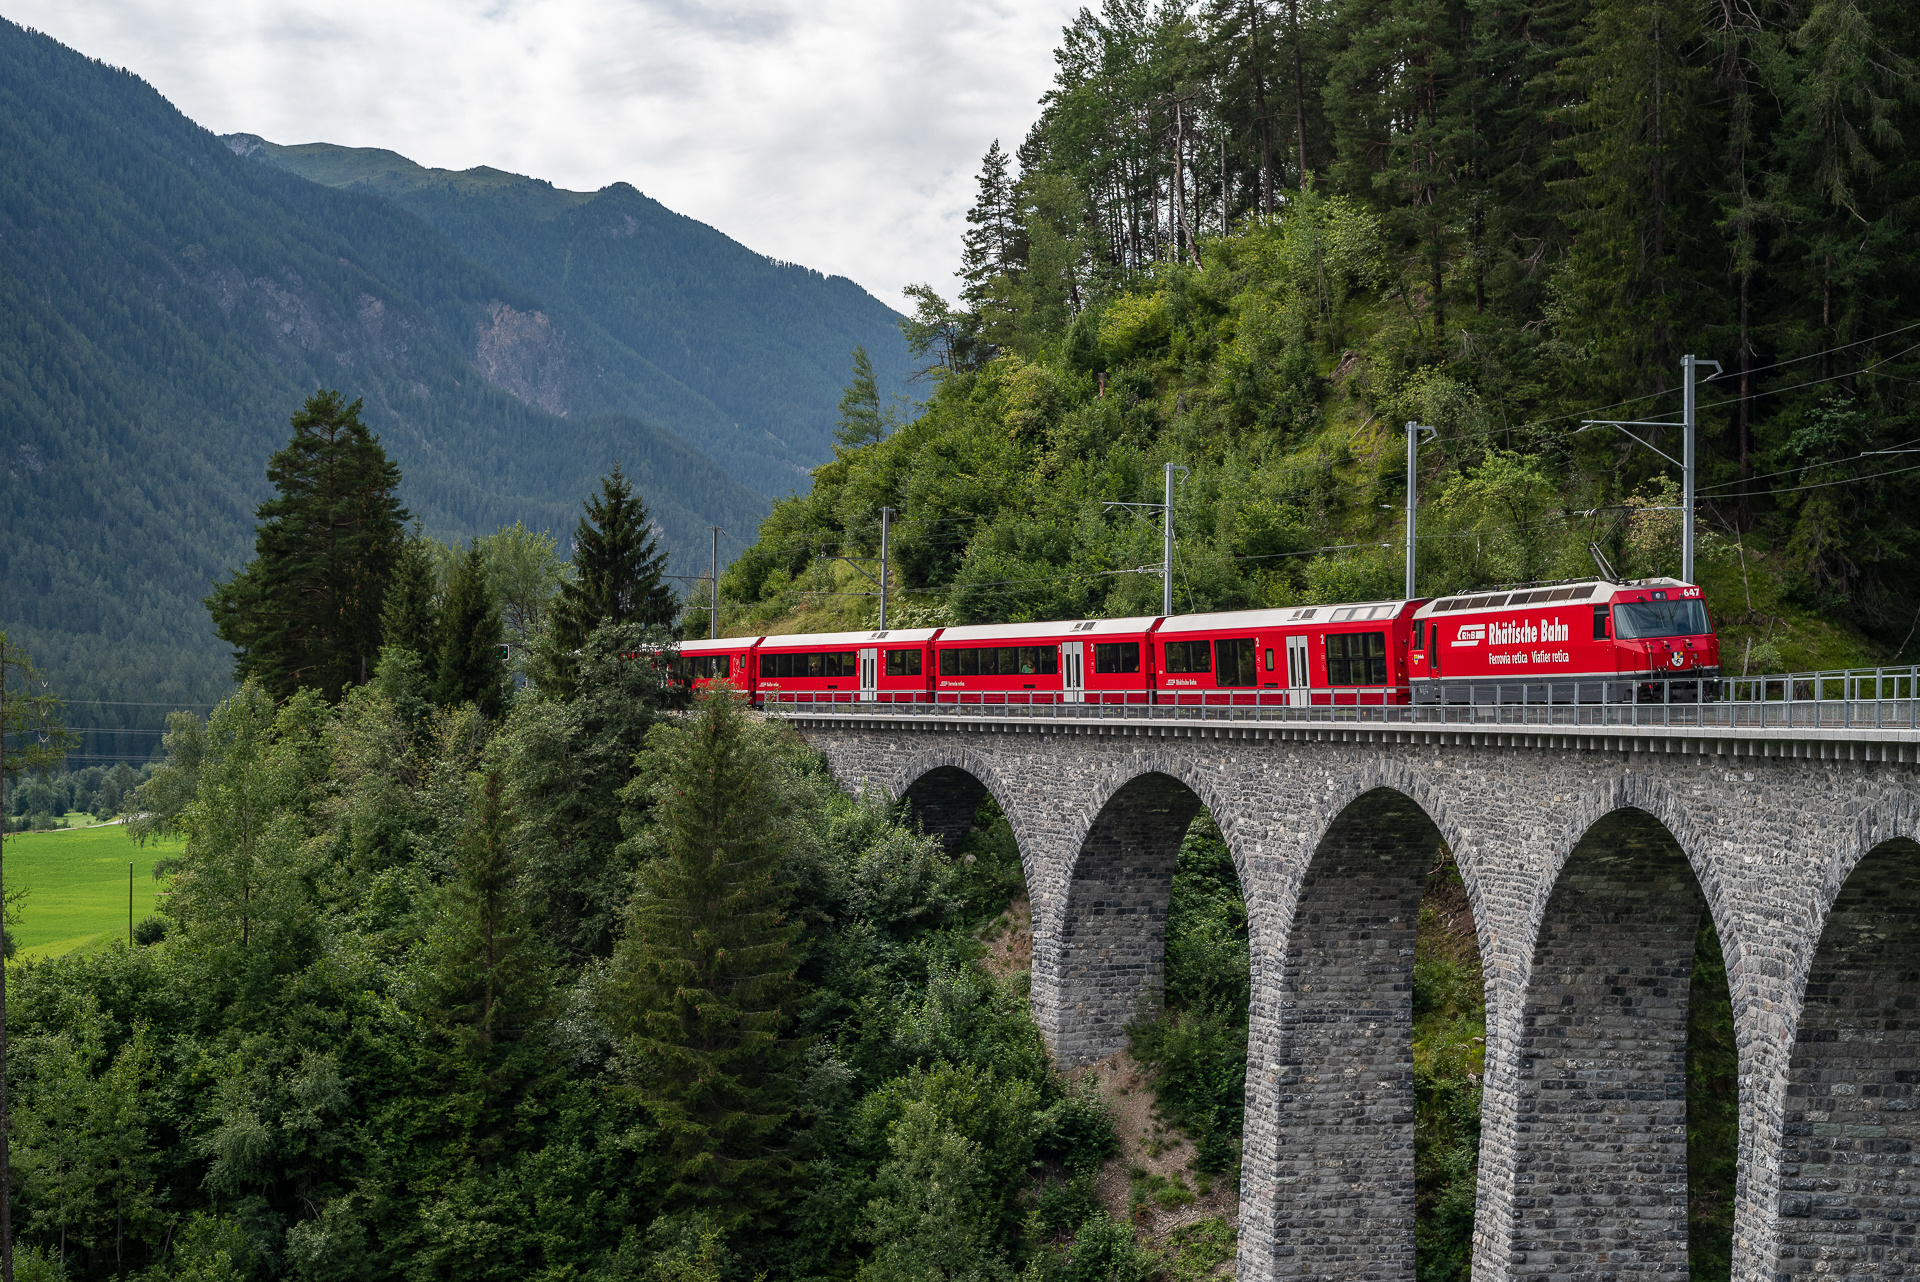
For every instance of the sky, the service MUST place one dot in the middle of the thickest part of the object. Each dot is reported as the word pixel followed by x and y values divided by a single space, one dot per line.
pixel 842 134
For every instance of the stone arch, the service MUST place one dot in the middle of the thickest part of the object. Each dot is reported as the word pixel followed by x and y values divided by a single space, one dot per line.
pixel 1082 1002
pixel 945 785
pixel 1341 1196
pixel 1632 791
pixel 1403 778
pixel 1597 1081
pixel 1099 949
pixel 1849 1184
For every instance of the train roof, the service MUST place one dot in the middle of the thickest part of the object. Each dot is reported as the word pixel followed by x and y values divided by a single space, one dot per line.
pixel 848 640
pixel 1545 594
pixel 1289 616
pixel 1071 629
pixel 706 644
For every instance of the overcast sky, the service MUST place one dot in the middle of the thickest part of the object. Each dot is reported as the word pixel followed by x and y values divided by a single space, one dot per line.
pixel 843 134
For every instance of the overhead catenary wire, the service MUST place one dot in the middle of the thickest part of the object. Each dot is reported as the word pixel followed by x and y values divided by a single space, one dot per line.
pixel 1804 468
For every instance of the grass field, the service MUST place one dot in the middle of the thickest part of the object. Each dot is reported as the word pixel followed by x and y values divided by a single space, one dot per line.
pixel 76 883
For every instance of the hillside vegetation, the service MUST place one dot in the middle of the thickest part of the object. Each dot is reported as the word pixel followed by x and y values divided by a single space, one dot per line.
pixel 1475 216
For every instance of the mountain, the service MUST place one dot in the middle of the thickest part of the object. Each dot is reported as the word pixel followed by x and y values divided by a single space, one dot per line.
pixel 164 306
pixel 641 310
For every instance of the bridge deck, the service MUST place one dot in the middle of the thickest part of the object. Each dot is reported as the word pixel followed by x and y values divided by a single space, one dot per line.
pixel 1853 730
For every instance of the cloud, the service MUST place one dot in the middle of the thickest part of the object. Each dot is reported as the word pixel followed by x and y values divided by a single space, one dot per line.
pixel 843 134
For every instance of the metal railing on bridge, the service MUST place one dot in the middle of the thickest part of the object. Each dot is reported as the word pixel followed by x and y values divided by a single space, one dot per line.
pixel 1845 699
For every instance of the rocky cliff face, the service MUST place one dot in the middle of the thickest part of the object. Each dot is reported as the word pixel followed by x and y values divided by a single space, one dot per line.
pixel 522 353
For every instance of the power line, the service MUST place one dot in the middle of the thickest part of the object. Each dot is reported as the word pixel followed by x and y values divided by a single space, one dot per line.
pixel 1795 360
pixel 1845 480
pixel 1807 467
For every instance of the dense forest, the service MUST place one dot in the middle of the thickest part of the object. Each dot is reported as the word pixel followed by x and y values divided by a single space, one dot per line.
pixel 466 976
pixel 1255 240
pixel 164 302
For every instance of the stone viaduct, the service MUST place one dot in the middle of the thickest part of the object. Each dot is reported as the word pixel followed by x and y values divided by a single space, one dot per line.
pixel 1589 855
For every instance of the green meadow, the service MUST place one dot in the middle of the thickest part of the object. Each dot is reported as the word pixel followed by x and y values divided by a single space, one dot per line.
pixel 76 884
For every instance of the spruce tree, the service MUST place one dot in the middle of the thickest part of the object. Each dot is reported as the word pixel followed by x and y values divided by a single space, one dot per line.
pixel 862 422
pixel 704 977
pixel 619 570
pixel 471 667
pixel 409 618
pixel 306 610
pixel 993 249
pixel 489 975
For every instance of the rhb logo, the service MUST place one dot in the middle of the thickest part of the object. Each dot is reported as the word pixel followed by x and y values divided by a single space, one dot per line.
pixel 1471 634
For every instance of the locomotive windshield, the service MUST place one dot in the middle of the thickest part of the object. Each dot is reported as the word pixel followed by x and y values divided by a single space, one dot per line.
pixel 1639 620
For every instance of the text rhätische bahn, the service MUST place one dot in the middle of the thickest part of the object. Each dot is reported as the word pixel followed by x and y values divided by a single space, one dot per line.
pixel 1575 642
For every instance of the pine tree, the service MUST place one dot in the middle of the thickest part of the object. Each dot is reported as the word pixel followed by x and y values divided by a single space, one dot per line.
pixel 408 617
pixel 862 422
pixel 489 974
pixel 705 972
pixel 471 668
pixel 306 610
pixel 619 571
pixel 993 250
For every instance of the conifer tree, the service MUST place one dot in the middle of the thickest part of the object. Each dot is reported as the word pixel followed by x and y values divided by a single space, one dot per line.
pixel 489 980
pixel 409 617
pixel 306 610
pixel 704 977
pixel 993 249
pixel 471 668
pixel 619 570
pixel 862 422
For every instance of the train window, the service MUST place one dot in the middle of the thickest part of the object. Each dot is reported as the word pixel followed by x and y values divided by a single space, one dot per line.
pixel 708 667
pixel 830 663
pixel 1189 656
pixel 1357 659
pixel 1635 620
pixel 1419 634
pixel 1000 661
pixel 1116 656
pixel 903 663
pixel 1599 623
pixel 1235 663
pixel 1269 658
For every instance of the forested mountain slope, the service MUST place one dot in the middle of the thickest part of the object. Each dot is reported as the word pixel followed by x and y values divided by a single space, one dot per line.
pixel 164 306
pixel 642 310
pixel 1258 249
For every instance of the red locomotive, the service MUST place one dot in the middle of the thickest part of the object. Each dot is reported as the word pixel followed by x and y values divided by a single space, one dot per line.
pixel 1564 643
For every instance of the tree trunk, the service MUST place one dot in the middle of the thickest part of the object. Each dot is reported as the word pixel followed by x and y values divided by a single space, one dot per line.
pixel 1260 107
pixel 1299 94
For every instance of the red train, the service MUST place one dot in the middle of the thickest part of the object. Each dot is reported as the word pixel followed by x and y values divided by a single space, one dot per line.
pixel 1566 642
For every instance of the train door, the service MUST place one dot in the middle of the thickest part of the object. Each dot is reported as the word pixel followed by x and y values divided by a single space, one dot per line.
pixel 869 672
pixel 1073 676
pixel 1297 682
